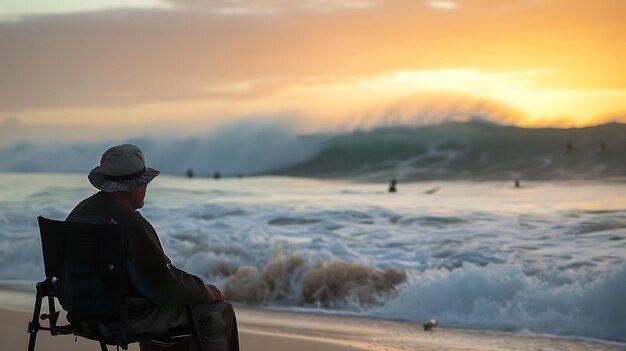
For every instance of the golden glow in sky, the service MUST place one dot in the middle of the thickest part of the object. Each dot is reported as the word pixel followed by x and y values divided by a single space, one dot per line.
pixel 185 65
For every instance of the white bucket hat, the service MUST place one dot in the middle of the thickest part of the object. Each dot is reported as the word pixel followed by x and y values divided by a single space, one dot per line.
pixel 122 168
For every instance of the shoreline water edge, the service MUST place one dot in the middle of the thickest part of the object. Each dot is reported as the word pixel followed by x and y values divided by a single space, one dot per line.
pixel 291 330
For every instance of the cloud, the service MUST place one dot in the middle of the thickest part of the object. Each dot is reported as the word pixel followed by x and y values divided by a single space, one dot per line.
pixel 443 5
pixel 14 11
pixel 269 7
pixel 191 62
pixel 13 130
pixel 125 57
pixel 114 58
pixel 518 6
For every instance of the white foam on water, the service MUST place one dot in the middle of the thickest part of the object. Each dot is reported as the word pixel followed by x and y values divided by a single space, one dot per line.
pixel 549 258
pixel 504 296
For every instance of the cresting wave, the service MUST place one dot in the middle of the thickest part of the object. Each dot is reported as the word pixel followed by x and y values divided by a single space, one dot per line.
pixel 451 150
pixel 488 296
pixel 491 296
pixel 287 280
pixel 507 297
pixel 470 150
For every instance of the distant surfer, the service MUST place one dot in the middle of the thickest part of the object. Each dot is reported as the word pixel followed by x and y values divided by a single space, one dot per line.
pixel 217 175
pixel 603 146
pixel 392 186
pixel 189 173
pixel 517 183
pixel 569 147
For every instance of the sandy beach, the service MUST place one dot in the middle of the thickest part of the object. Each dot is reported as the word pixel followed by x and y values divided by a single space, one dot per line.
pixel 291 331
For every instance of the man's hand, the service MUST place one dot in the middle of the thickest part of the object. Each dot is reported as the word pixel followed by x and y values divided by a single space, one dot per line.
pixel 215 295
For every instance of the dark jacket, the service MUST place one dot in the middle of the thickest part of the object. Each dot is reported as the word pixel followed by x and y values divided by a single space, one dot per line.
pixel 150 271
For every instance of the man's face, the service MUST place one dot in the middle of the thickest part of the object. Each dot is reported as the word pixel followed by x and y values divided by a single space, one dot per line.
pixel 137 197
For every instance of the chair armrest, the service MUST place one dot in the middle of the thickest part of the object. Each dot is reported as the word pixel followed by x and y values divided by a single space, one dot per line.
pixel 42 284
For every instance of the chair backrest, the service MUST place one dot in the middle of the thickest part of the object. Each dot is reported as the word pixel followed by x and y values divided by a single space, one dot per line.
pixel 86 264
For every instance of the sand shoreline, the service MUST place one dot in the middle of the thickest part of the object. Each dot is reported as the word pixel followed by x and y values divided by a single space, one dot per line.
pixel 295 331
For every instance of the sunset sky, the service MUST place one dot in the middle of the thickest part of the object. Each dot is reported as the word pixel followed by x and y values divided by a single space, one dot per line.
pixel 102 68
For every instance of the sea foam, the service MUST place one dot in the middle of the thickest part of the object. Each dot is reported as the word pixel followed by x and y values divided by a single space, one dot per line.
pixel 481 255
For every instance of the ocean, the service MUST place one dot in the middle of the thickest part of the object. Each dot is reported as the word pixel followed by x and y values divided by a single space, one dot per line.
pixel 546 258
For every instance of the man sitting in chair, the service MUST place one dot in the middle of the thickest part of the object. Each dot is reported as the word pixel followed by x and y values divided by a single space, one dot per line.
pixel 162 291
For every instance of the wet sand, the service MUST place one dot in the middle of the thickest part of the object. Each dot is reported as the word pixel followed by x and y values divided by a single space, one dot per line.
pixel 263 330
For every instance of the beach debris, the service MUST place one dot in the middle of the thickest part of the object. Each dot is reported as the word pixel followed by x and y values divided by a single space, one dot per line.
pixel 430 324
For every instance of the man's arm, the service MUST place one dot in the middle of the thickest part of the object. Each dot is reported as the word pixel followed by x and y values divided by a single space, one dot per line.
pixel 215 294
pixel 152 273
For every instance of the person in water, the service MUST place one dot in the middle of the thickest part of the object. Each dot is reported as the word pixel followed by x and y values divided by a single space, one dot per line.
pixel 159 290
pixel 392 186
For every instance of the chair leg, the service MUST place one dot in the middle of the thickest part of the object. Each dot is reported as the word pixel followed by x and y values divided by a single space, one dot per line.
pixel 33 326
pixel 31 340
pixel 103 346
pixel 53 314
pixel 194 327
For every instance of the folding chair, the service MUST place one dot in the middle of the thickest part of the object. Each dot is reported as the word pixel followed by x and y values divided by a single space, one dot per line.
pixel 85 268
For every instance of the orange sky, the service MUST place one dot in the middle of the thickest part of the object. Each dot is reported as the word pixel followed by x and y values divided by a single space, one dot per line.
pixel 187 65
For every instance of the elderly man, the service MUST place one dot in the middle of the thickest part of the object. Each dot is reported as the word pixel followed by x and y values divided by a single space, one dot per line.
pixel 160 290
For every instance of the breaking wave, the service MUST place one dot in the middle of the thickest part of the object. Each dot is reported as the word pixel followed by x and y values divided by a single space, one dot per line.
pixel 237 149
pixel 508 297
pixel 470 150
pixel 451 150
pixel 337 284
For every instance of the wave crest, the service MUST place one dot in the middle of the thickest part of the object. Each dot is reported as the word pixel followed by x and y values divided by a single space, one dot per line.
pixel 288 279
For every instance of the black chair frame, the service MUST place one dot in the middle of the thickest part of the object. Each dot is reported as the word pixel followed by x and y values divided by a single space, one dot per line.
pixel 47 287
